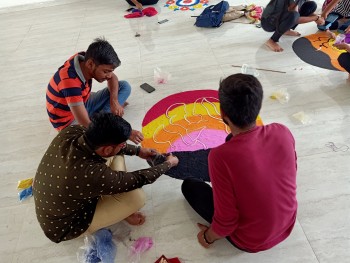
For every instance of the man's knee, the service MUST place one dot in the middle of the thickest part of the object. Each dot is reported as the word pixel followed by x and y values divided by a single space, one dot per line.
pixel 188 187
pixel 124 86
pixel 117 163
pixel 184 187
pixel 137 198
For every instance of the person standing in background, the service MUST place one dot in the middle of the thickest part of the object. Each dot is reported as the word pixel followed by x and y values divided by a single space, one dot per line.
pixel 341 8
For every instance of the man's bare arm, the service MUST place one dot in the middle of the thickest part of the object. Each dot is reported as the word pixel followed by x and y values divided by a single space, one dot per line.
pixel 81 115
pixel 113 87
pixel 329 8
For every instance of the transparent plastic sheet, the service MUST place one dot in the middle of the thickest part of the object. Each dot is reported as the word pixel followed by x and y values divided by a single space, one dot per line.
pixel 246 69
pixel 281 95
pixel 302 117
pixel 121 232
pixel 161 76
pixel 87 253
pixel 140 246
pixel 98 247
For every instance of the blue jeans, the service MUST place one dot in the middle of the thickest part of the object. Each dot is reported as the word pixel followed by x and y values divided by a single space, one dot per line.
pixel 99 101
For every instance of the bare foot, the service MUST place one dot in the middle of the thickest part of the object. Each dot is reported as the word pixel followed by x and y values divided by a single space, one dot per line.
pixel 125 104
pixel 292 33
pixel 273 45
pixel 136 219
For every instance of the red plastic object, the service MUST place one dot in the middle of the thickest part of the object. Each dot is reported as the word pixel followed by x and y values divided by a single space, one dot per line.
pixel 166 260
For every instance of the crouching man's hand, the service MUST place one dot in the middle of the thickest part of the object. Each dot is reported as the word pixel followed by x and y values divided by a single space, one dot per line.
pixel 172 160
pixel 136 137
pixel 147 153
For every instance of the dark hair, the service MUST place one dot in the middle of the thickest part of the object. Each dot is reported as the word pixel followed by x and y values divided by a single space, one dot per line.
pixel 107 129
pixel 240 97
pixel 102 53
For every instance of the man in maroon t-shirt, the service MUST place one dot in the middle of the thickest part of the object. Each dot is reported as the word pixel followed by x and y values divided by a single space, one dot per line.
pixel 252 201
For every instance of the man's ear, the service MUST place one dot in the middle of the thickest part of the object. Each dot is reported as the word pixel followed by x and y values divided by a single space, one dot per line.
pixel 223 116
pixel 107 150
pixel 90 64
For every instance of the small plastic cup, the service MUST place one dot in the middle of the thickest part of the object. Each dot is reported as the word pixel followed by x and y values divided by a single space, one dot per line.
pixel 281 95
pixel 246 69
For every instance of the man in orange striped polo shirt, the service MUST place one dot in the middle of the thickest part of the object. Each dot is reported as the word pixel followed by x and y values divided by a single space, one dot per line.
pixel 69 99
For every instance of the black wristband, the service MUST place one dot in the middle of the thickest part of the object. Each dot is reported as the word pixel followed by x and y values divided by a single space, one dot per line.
pixel 138 149
pixel 205 238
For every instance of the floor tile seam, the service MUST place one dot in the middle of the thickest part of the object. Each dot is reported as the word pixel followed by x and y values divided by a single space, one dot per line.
pixel 80 28
pixel 213 54
pixel 140 57
pixel 17 248
pixel 307 238
pixel 331 198
pixel 25 36
pixel 313 154
pixel 179 71
pixel 153 223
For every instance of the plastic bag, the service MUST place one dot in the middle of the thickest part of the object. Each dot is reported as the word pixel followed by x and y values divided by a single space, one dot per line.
pixel 163 259
pixel 121 231
pixel 246 69
pixel 140 246
pixel 160 76
pixel 99 247
pixel 281 95
pixel 302 117
pixel 339 39
pixel 26 183
pixel 84 251
pixel 254 13
pixel 24 194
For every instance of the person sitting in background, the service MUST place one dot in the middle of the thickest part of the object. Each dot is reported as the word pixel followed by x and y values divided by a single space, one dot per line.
pixel 341 8
pixel 283 16
pixel 76 192
pixel 140 3
pixel 69 99
pixel 344 58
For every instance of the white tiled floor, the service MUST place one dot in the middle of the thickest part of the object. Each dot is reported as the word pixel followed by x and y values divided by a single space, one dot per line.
pixel 36 39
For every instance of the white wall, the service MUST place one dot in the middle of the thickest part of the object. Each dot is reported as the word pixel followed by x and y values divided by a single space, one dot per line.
pixel 8 3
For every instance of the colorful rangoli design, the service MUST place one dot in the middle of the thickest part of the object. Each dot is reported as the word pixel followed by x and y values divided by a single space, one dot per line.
pixel 185 121
pixel 185 5
pixel 318 50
